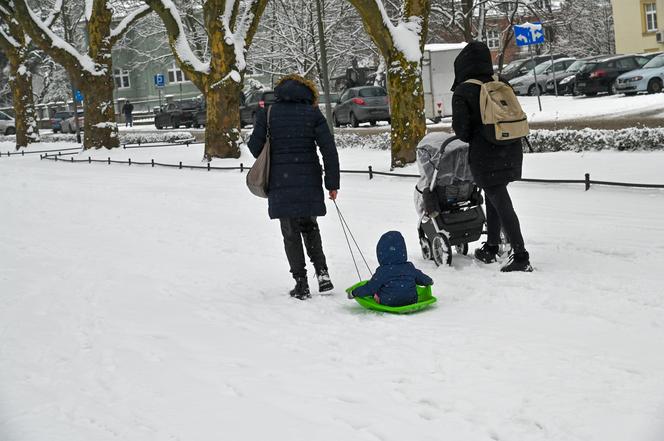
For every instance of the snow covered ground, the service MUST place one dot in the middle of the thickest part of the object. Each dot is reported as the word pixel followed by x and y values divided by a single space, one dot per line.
pixel 151 304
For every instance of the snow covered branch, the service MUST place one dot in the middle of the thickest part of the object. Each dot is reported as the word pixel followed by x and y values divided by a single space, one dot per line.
pixel 128 21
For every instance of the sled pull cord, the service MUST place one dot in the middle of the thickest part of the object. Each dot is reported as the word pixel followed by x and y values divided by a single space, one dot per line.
pixel 344 227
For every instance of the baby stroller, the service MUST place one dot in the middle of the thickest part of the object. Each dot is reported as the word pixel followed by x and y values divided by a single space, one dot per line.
pixel 447 200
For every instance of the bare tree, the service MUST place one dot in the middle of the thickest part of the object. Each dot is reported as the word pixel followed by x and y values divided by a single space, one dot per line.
pixel 229 26
pixel 91 70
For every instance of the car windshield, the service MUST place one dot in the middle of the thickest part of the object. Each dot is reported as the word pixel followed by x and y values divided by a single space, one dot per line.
pixel 540 68
pixel 514 65
pixel 372 91
pixel 658 61
pixel 588 67
pixel 576 66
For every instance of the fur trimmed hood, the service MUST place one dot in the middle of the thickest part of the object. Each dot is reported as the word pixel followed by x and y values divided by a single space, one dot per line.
pixel 295 88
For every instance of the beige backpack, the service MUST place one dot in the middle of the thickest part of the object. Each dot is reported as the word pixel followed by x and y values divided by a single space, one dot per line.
pixel 503 118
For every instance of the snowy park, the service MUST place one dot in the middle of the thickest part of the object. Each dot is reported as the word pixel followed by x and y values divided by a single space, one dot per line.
pixel 144 303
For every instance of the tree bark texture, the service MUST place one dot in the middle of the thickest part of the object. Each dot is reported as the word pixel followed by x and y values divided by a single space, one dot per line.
pixel 404 77
pixel 222 82
pixel 93 75
pixel 16 49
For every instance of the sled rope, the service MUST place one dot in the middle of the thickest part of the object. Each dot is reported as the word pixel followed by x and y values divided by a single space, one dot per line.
pixel 346 229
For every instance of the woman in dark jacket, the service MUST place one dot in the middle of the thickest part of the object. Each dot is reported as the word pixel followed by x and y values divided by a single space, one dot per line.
pixel 295 195
pixel 493 166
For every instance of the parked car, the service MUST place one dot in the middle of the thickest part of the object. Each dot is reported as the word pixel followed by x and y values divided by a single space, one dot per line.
pixel 334 97
pixel 522 66
pixel 362 104
pixel 565 80
pixel 56 120
pixel 176 114
pixel 68 125
pixel 251 102
pixel 649 78
pixel 526 85
pixel 7 124
pixel 600 75
pixel 651 55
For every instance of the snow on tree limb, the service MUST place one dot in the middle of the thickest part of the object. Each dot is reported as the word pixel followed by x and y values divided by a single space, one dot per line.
pixel 406 35
pixel 89 4
pixel 129 20
pixel 177 36
pixel 55 11
pixel 6 39
pixel 46 37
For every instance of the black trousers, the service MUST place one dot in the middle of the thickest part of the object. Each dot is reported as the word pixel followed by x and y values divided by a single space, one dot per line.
pixel 294 230
pixel 500 214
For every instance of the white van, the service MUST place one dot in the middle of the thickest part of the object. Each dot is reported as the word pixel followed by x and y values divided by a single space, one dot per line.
pixel 437 78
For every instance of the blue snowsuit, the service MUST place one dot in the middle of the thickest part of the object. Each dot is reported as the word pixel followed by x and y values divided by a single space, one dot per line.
pixel 395 279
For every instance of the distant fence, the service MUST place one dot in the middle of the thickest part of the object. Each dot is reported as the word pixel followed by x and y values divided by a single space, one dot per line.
pixel 58 157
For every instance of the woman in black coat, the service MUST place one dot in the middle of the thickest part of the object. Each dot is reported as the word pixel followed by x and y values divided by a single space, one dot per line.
pixel 295 194
pixel 493 166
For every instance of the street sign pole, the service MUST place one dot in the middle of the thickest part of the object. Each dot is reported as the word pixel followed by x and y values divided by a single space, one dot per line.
pixel 532 57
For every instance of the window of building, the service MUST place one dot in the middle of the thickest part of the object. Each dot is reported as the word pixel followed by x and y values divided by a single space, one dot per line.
pixel 493 39
pixel 121 77
pixel 175 75
pixel 650 12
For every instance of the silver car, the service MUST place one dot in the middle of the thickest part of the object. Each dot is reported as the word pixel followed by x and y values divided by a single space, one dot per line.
pixel 7 124
pixel 362 104
pixel 525 85
pixel 69 125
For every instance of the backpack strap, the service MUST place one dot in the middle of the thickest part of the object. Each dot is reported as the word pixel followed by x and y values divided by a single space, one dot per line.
pixel 477 82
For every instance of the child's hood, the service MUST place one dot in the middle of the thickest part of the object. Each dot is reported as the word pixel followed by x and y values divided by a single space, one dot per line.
pixel 391 249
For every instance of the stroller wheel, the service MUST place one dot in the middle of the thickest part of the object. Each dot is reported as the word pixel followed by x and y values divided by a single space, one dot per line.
pixel 461 249
pixel 426 248
pixel 441 250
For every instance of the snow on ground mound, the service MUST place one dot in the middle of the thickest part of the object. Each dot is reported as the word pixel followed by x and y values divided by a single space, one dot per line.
pixel 151 304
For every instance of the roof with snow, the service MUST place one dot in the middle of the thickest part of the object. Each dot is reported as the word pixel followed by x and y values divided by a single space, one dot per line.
pixel 444 46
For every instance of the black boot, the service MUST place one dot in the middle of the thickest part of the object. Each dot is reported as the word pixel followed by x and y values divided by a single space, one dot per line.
pixel 487 253
pixel 324 281
pixel 301 290
pixel 518 262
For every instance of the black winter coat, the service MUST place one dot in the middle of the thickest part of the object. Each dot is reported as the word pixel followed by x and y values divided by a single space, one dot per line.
pixel 296 126
pixel 490 164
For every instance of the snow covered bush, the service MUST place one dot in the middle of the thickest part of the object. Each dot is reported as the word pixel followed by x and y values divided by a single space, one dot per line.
pixel 636 138
pixel 125 138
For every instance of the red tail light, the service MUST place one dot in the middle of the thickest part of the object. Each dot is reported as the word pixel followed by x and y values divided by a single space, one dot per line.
pixel 599 73
pixel 359 101
pixel 261 103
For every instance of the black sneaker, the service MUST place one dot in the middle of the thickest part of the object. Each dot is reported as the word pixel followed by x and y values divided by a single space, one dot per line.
pixel 324 281
pixel 518 262
pixel 301 290
pixel 487 253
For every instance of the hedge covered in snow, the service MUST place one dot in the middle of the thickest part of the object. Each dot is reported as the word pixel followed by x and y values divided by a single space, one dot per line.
pixel 547 140
pixel 125 138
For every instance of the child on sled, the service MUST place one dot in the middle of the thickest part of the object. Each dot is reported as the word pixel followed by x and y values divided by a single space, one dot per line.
pixel 395 281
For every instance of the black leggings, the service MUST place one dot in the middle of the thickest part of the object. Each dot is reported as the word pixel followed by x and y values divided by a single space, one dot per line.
pixel 500 214
pixel 294 230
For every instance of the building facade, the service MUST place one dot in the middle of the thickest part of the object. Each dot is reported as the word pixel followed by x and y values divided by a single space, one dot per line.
pixel 638 26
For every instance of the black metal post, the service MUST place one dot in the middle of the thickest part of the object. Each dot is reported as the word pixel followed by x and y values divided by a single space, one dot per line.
pixel 153 162
pixel 587 181
pixel 130 161
pixel 370 173
pixel 180 164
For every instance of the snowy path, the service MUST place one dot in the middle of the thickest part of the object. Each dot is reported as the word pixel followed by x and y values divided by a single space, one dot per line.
pixel 150 305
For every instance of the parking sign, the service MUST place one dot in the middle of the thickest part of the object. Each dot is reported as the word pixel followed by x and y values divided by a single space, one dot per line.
pixel 159 80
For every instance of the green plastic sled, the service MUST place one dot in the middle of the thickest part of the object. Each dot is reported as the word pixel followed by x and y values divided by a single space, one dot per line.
pixel 424 300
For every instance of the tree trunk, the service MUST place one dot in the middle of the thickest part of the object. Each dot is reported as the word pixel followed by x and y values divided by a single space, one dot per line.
pixel 222 128
pixel 21 84
pixel 100 128
pixel 404 80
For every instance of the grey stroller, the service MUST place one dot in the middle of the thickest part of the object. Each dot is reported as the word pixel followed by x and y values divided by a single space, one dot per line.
pixel 448 202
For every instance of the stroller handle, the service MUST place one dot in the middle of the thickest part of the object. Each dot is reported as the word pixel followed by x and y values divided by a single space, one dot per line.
pixel 437 167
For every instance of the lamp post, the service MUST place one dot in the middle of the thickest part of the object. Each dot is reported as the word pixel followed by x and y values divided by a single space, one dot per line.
pixel 320 5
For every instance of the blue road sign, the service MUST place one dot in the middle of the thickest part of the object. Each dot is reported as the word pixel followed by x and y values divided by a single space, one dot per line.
pixel 528 34
pixel 159 80
pixel 78 96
